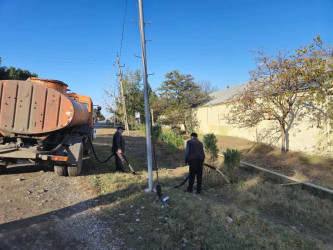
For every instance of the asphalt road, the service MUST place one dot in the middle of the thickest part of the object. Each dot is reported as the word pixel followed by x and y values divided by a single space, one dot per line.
pixel 102 124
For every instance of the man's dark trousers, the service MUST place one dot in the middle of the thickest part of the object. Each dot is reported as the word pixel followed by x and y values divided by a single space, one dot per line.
pixel 119 163
pixel 118 142
pixel 196 167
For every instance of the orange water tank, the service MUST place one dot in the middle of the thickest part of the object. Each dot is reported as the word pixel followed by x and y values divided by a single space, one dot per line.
pixel 38 106
pixel 54 84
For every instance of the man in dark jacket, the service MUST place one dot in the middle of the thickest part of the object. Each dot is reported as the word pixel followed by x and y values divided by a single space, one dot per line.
pixel 118 147
pixel 194 156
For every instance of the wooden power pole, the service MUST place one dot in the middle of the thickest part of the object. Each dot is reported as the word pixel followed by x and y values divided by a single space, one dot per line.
pixel 122 95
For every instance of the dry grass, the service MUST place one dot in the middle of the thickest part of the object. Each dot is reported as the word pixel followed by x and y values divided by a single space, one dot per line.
pixel 316 169
pixel 264 215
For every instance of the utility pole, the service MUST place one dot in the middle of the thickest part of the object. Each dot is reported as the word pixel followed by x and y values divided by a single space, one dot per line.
pixel 122 95
pixel 145 83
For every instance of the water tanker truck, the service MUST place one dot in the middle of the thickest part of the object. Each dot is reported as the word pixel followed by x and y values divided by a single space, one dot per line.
pixel 42 124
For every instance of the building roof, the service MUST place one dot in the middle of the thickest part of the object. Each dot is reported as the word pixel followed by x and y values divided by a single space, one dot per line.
pixel 222 96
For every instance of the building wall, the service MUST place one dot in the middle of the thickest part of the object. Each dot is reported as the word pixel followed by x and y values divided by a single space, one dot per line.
pixel 303 135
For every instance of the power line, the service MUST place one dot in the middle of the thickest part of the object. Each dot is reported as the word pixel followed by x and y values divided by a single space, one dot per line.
pixel 120 73
pixel 122 32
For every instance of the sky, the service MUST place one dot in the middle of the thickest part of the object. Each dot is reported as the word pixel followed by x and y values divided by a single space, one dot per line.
pixel 76 41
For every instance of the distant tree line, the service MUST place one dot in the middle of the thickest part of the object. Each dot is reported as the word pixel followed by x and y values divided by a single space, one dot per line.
pixel 13 73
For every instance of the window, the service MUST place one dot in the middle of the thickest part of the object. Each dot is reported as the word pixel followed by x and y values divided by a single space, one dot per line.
pixel 85 105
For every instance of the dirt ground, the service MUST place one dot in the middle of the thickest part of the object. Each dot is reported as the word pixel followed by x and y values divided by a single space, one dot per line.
pixel 39 210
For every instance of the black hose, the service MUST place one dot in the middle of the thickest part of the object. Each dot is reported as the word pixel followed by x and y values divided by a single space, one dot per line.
pixel 129 165
pixel 207 165
pixel 183 182
pixel 220 172
pixel 94 152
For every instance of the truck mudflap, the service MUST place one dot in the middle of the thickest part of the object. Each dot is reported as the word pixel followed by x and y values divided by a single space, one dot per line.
pixel 73 150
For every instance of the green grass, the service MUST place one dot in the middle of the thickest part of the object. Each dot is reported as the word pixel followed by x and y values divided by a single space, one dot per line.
pixel 264 214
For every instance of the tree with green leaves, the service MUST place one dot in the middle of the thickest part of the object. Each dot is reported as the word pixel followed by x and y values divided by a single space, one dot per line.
pixel 319 68
pixel 133 93
pixel 13 73
pixel 179 94
pixel 282 86
pixel 156 106
pixel 97 115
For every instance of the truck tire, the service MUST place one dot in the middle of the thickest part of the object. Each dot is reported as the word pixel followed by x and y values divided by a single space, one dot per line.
pixel 3 166
pixel 60 170
pixel 76 169
pixel 2 169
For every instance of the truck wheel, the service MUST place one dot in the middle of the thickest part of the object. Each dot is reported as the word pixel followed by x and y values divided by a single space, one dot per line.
pixel 76 170
pixel 60 170
pixel 3 166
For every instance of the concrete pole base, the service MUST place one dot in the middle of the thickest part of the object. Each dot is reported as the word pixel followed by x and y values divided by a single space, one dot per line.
pixel 147 191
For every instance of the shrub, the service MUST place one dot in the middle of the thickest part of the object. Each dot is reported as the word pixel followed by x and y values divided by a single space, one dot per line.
pixel 157 132
pixel 176 129
pixel 173 139
pixel 143 128
pixel 209 141
pixel 232 160
pixel 133 126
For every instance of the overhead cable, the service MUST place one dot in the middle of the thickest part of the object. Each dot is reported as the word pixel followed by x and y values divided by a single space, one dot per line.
pixel 122 32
